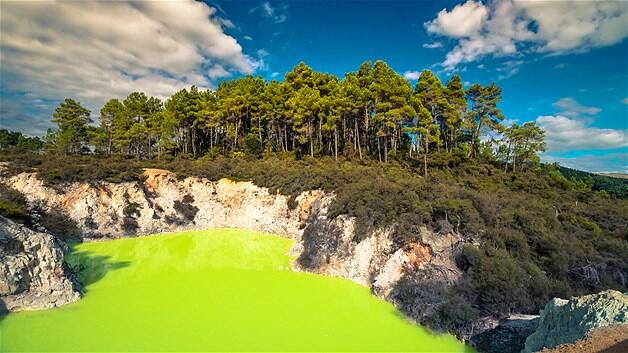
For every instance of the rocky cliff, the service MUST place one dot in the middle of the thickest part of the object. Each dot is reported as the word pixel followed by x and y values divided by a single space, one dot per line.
pixel 566 321
pixel 160 202
pixel 32 273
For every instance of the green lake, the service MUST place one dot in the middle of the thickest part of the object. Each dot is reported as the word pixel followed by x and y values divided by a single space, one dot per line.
pixel 216 290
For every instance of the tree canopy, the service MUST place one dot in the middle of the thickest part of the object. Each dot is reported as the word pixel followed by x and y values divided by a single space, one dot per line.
pixel 369 113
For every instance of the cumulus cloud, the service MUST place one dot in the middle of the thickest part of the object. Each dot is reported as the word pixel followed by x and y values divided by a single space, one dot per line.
pixel 569 129
pixel 412 75
pixel 508 27
pixel 95 50
pixel 564 133
pixel 570 107
pixel 217 71
pixel 463 20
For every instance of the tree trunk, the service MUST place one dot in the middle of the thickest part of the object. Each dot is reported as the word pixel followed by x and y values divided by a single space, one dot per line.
pixel 336 143
pixel 309 130
pixel 386 148
pixel 427 146
pixel 476 138
pixel 148 146
pixel 357 139
pixel 194 141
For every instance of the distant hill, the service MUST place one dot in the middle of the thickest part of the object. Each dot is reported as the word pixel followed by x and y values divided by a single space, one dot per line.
pixel 616 184
pixel 615 175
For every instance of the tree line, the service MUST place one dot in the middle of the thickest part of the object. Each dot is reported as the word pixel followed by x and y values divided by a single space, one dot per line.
pixel 370 113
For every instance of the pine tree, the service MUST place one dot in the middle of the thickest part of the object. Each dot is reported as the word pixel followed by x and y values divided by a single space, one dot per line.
pixel 112 121
pixel 72 120
pixel 455 115
pixel 484 112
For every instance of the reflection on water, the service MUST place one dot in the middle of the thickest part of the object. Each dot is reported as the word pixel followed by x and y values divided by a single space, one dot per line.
pixel 220 290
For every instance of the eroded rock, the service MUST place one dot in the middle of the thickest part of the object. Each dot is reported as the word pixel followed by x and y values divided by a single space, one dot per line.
pixel 566 321
pixel 32 274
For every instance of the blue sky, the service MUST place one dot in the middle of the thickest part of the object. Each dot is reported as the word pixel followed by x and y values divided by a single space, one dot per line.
pixel 562 64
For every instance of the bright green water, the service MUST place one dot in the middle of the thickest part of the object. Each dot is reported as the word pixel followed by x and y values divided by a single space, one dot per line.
pixel 218 290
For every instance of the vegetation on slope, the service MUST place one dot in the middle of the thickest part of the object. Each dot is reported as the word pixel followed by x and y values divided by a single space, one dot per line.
pixel 616 186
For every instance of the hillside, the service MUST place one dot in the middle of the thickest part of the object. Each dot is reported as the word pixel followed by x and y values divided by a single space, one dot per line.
pixel 528 236
pixel 614 183
pixel 615 175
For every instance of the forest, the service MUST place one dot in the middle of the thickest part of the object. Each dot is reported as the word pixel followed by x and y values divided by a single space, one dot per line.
pixel 394 155
pixel 370 113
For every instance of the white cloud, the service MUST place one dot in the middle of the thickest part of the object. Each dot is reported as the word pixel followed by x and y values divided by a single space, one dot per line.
pixel 217 71
pixel 560 66
pixel 509 122
pixel 433 45
pixel 248 37
pixel 509 69
pixel 570 129
pixel 508 27
pixel 412 75
pixel 564 133
pixel 226 22
pixel 278 15
pixel 261 63
pixel 274 74
pixel 92 51
pixel 570 107
pixel 463 20
pixel 268 9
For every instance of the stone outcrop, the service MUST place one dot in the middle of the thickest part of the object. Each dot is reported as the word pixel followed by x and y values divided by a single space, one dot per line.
pixel 566 321
pixel 32 274
pixel 162 203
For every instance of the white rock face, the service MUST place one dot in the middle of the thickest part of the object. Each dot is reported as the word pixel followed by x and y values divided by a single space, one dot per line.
pixel 100 209
pixel 31 270
pixel 162 203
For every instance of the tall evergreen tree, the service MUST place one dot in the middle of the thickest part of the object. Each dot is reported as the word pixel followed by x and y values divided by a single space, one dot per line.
pixel 456 114
pixel 484 112
pixel 113 123
pixel 72 119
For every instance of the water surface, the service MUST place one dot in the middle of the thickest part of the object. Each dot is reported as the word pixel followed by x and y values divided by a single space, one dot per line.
pixel 217 290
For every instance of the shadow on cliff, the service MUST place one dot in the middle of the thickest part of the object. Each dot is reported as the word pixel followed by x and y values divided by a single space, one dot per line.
pixel 87 268
pixel 3 310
